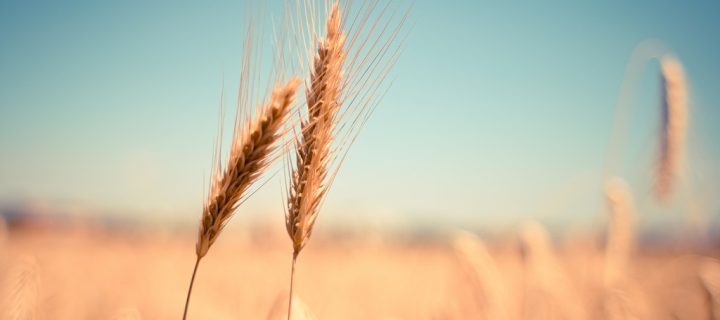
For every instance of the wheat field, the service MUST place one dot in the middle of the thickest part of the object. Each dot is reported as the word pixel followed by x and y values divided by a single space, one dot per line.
pixel 327 74
pixel 96 273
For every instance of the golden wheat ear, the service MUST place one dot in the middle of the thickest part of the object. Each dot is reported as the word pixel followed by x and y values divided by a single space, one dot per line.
pixel 250 155
pixel 347 63
pixel 674 109
pixel 313 151
pixel 252 152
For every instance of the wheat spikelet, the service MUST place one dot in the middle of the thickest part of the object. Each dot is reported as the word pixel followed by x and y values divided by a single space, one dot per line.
pixel 674 125
pixel 313 147
pixel 249 157
pixel 486 276
pixel 21 289
pixel 620 230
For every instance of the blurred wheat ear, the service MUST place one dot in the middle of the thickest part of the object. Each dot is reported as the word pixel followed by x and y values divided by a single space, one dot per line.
pixel 484 274
pixel 347 68
pixel 674 126
pixel 619 245
pixel 673 116
pixel 21 291
pixel 250 155
pixel 253 149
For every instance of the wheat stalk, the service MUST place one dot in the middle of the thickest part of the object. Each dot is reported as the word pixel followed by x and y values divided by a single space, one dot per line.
pixel 250 155
pixel 674 125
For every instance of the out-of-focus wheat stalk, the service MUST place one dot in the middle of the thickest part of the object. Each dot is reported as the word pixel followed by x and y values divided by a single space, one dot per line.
pixel 709 273
pixel 674 126
pixel 249 157
pixel 645 51
pixel 547 271
pixel 251 153
pixel 347 70
pixel 21 291
pixel 485 274
pixel 619 245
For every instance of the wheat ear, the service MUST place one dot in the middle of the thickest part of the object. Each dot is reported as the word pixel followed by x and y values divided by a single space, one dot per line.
pixel 313 148
pixel 674 125
pixel 250 155
pixel 347 67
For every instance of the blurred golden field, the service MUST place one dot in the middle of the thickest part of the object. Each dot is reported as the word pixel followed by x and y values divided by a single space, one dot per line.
pixel 327 76
pixel 99 273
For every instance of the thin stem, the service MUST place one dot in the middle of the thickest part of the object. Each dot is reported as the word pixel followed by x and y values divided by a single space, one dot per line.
pixel 292 280
pixel 192 281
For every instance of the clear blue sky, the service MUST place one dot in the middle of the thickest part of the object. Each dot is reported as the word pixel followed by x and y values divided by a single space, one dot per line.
pixel 501 111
